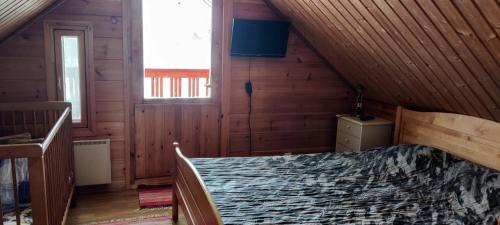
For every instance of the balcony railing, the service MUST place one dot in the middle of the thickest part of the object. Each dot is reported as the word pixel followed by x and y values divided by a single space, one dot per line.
pixel 173 79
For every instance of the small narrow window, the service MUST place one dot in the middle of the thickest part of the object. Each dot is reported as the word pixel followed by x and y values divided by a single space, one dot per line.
pixel 70 77
pixel 177 40
pixel 69 73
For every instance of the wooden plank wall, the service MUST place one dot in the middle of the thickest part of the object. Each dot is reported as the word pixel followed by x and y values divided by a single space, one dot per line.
pixel 434 55
pixel 23 78
pixel 380 109
pixel 195 127
pixel 294 105
pixel 194 124
pixel 295 99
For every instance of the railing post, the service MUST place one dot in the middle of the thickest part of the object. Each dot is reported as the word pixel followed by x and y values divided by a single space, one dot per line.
pixel 197 86
pixel 190 87
pixel 38 191
pixel 179 87
pixel 152 87
pixel 171 87
pixel 161 86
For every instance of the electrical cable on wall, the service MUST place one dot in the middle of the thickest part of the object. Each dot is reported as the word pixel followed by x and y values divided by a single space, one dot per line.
pixel 249 90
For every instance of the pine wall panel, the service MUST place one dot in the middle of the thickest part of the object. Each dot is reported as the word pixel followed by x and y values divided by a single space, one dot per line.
pixel 294 103
pixel 430 55
pixel 23 73
pixel 195 127
pixel 295 98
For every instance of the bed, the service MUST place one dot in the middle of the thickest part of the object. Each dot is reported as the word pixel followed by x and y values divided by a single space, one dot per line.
pixel 41 190
pixel 411 182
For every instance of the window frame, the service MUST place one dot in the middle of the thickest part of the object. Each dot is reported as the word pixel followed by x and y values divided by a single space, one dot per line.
pixel 58 34
pixel 134 10
pixel 54 29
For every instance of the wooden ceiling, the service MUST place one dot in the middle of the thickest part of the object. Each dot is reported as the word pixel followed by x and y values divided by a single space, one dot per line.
pixel 15 13
pixel 433 55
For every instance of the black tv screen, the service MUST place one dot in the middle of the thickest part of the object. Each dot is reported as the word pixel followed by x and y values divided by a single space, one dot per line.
pixel 259 38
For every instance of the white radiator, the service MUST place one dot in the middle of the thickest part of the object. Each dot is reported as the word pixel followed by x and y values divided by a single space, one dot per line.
pixel 92 162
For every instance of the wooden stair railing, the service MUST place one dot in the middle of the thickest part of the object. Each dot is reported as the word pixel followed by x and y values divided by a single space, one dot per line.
pixel 50 163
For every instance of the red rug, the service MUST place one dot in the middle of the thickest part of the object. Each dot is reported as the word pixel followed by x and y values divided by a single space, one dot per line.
pixel 155 197
pixel 163 220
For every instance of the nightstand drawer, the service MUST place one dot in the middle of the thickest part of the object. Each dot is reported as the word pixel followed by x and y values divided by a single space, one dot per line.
pixel 349 141
pixel 349 127
pixel 342 148
pixel 354 134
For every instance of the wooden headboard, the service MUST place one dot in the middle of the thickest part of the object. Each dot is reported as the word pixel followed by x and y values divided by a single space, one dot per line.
pixel 467 137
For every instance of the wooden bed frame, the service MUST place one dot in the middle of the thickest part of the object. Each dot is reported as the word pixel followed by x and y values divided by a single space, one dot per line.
pixel 470 138
pixel 50 163
pixel 192 194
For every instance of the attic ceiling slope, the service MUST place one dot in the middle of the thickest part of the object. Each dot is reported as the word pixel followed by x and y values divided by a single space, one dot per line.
pixel 434 55
pixel 16 13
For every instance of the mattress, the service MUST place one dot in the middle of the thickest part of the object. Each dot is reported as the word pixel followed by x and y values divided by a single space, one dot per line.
pixel 404 184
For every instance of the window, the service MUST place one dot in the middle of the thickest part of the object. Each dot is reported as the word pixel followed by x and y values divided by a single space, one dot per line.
pixel 177 41
pixel 69 73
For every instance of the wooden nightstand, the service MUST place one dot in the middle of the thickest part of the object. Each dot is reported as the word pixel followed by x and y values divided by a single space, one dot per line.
pixel 356 135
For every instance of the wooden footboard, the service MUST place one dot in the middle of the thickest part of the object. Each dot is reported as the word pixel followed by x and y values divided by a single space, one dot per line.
pixel 192 195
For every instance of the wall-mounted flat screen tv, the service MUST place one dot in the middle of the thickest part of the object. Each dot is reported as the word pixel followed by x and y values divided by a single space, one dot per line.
pixel 259 38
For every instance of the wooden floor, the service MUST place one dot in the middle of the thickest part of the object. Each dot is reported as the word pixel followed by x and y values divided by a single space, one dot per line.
pixel 91 208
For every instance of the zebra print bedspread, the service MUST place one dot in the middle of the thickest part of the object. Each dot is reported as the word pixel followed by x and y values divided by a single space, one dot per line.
pixel 405 184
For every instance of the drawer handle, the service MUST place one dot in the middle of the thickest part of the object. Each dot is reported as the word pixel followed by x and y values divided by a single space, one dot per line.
pixel 348 127
pixel 346 140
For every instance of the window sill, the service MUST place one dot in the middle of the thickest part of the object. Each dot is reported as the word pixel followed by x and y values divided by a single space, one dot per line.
pixel 83 132
pixel 180 101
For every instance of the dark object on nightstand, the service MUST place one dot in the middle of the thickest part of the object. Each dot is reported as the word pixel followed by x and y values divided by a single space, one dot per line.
pixel 358 112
